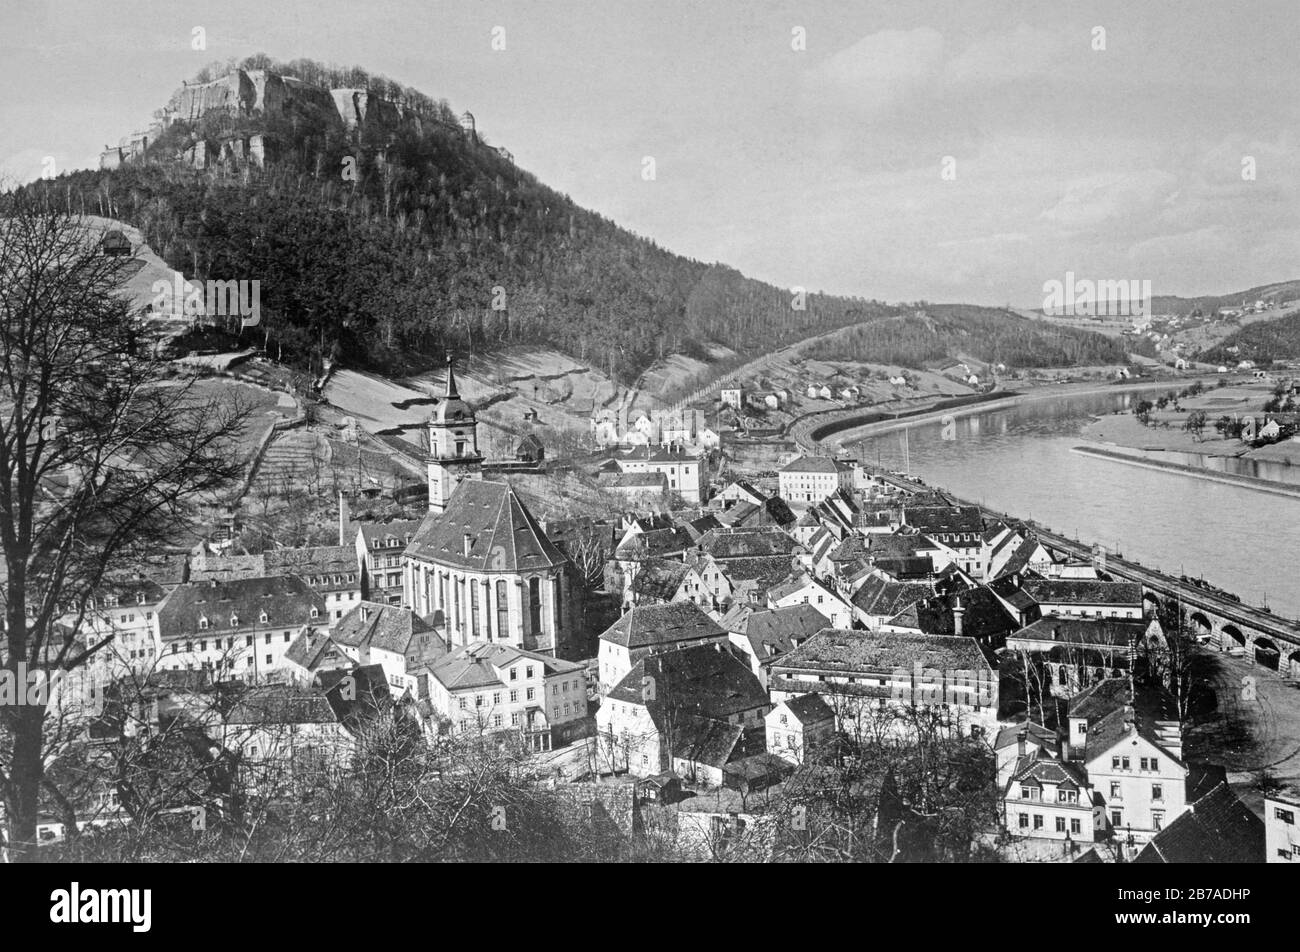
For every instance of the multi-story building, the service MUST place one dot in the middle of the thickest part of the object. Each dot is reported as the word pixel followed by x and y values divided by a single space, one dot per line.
pixel 682 468
pixel 500 687
pixel 379 549
pixel 694 708
pixel 868 677
pixel 329 569
pixel 799 726
pixel 1133 760
pixel 396 639
pixel 239 628
pixel 959 528
pixel 124 608
pixel 1050 798
pixel 1085 598
pixel 651 629
pixel 810 479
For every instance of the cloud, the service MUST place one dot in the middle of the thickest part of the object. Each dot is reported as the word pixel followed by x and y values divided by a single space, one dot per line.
pixel 1111 197
pixel 999 58
pixel 882 71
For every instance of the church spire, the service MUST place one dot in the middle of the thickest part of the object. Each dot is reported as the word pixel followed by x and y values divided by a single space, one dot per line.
pixel 451 393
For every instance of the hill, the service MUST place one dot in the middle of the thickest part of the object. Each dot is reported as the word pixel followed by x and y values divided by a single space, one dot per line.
pixel 1278 294
pixel 385 230
pixel 1262 342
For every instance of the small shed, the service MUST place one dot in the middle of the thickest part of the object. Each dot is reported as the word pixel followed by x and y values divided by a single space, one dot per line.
pixel 115 244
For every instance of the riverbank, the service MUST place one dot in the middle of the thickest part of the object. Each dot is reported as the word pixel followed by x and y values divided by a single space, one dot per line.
pixel 1230 479
pixel 878 427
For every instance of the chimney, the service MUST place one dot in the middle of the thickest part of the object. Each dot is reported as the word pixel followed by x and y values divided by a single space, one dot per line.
pixel 468 541
pixel 958 613
pixel 1020 741
pixel 343 520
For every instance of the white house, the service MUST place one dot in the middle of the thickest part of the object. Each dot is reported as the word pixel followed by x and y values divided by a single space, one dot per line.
pixel 798 726
pixel 496 687
pixel 804 589
pixel 810 479
pixel 1281 830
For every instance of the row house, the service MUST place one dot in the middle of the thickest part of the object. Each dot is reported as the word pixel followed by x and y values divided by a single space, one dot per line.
pixel 239 628
pixel 876 679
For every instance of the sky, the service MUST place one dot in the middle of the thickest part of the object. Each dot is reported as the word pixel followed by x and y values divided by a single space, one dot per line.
pixel 944 150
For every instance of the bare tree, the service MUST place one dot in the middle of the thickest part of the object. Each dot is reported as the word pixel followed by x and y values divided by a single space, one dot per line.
pixel 99 460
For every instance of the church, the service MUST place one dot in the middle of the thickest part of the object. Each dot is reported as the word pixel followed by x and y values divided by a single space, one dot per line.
pixel 479 557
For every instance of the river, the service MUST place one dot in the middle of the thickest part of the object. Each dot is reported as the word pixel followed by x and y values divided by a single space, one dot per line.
pixel 1019 460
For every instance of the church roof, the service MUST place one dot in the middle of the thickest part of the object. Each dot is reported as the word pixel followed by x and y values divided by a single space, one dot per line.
pixel 503 535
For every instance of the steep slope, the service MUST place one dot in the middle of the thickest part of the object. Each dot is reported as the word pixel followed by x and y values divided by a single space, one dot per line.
pixel 384 229
pixel 1262 342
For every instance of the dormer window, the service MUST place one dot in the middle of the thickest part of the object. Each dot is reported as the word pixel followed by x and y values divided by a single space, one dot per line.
pixel 234 620
pixel 263 618
pixel 139 599
pixel 203 622
pixel 314 613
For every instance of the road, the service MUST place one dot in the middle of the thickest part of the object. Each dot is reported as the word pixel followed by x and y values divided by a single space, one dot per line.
pixel 1254 726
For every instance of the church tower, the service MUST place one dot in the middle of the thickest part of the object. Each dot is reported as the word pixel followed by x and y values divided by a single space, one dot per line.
pixel 453 445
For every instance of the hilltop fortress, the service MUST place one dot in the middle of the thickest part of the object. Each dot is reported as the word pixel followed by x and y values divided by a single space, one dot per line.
pixel 248 93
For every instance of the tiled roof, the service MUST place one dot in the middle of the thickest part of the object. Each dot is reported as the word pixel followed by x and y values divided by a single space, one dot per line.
pixel 1083 592
pixel 885 597
pixel 845 650
pixel 810 709
pixel 663 624
pixel 945 519
pixel 707 680
pixel 655 543
pixel 1218 828
pixel 813 464
pixel 313 648
pixel 704 740
pixel 1035 733
pixel 898 545
pixel 281 704
pixel 983 615
pixel 477 664
pixel 377 534
pixel 728 543
pixel 503 535
pixel 373 625
pixel 286 600
pixel 1036 768
pixel 318 565
pixel 1068 630
pixel 659 578
pixel 773 632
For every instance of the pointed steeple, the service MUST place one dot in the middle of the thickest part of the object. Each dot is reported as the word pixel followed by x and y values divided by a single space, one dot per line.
pixel 450 393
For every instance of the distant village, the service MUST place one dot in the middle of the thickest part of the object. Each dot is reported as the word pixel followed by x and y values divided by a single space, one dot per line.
pixel 697 660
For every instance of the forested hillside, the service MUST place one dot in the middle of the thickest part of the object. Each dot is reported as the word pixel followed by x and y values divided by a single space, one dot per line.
pixel 440 242
pixel 1263 341
pixel 988 334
